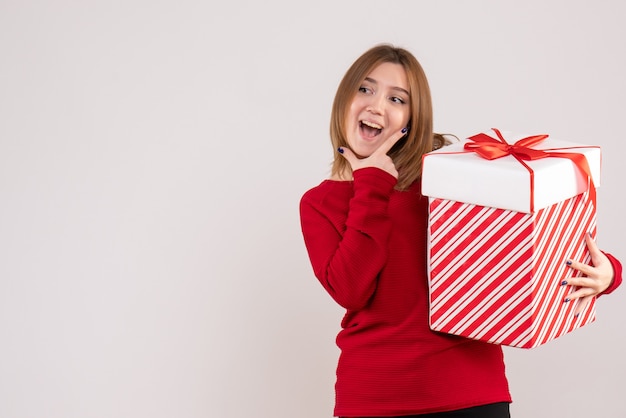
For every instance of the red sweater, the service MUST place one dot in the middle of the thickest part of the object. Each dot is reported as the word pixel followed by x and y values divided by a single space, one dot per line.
pixel 367 245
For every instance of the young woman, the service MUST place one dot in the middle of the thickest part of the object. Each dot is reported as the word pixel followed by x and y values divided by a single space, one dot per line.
pixel 365 232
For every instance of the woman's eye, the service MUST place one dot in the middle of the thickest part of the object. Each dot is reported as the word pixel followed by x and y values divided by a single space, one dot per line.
pixel 397 100
pixel 364 89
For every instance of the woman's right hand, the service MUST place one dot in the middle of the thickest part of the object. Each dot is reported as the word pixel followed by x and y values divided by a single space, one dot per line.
pixel 378 158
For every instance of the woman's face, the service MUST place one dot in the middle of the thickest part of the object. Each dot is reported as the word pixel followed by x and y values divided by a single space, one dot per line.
pixel 380 108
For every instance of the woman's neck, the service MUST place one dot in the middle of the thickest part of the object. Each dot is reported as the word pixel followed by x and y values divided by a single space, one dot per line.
pixel 345 175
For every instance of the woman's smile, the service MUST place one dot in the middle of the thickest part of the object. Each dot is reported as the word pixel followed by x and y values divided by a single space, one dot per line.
pixel 370 130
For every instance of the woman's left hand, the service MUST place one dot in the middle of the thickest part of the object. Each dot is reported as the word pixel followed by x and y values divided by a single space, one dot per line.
pixel 596 278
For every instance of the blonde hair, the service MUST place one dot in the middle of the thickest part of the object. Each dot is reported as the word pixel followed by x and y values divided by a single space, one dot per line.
pixel 406 153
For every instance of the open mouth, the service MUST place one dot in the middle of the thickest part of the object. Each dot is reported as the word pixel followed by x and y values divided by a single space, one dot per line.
pixel 370 129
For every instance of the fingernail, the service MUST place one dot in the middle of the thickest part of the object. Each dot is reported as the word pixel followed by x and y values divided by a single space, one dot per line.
pixel 564 282
pixel 568 262
pixel 340 150
pixel 566 300
pixel 404 130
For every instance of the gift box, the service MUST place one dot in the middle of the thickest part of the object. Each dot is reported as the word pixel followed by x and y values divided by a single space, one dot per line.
pixel 505 213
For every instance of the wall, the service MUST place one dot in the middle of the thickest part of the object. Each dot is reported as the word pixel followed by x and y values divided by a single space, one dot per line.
pixel 152 157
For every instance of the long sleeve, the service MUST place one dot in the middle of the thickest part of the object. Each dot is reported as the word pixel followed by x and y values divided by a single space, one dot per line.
pixel 346 227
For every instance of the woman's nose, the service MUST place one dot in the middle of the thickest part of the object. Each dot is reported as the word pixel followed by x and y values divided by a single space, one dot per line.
pixel 377 105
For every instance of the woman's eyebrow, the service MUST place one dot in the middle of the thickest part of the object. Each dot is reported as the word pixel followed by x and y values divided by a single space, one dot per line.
pixel 400 89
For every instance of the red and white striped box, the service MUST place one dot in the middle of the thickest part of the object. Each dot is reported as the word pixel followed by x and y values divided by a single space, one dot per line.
pixel 500 231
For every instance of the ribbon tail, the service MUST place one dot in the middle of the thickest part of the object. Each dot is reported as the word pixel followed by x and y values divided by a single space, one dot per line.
pixel 583 166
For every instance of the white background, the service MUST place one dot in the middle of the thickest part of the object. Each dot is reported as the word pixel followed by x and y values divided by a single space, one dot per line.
pixel 152 157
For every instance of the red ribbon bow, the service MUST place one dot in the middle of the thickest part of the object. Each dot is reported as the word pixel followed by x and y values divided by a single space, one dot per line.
pixel 491 148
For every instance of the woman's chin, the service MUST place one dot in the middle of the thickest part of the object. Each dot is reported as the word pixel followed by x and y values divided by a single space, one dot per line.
pixel 362 153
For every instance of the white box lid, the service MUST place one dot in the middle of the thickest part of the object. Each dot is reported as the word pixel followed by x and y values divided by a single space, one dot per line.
pixel 454 173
